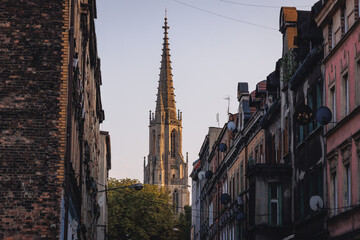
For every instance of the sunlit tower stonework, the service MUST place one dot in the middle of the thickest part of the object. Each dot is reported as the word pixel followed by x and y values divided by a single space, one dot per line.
pixel 166 166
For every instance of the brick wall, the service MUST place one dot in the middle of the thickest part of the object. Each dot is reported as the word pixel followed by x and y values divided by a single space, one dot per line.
pixel 33 77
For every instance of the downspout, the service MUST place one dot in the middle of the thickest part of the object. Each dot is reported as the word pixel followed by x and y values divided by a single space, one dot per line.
pixel 68 120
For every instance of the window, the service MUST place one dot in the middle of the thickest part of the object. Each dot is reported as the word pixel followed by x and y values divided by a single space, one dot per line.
pixel 347 186
pixel 346 94
pixel 274 204
pixel 233 188
pixel 333 103
pixel 173 143
pixel 318 99
pixel 176 200
pixel 231 192
pixel 331 39
pixel 211 216
pixel 312 105
pixel 261 154
pixel 237 182
pixel 160 177
pixel 257 160
pixel 285 137
pixel 334 203
pixel 357 85
pixel 300 133
pixel 273 153
pixel 153 142
pixel 241 177
pixel 343 20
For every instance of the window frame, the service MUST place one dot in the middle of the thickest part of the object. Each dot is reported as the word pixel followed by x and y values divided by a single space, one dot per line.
pixel 278 202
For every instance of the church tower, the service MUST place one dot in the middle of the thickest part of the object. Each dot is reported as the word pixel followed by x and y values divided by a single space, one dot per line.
pixel 166 166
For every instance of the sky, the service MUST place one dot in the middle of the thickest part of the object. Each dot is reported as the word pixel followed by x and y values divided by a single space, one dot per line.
pixel 214 44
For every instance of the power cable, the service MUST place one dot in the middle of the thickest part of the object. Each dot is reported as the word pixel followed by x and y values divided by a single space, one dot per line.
pixel 223 16
pixel 258 6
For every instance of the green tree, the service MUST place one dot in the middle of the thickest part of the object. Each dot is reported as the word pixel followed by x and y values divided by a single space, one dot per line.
pixel 184 224
pixel 139 215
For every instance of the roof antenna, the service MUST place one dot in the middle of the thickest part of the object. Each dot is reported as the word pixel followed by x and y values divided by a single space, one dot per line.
pixel 228 99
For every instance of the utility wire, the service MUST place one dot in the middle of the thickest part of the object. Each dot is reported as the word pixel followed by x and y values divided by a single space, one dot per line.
pixel 223 16
pixel 258 6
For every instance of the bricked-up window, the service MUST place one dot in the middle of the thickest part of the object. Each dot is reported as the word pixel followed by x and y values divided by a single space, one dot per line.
pixel 274 204
pixel 173 143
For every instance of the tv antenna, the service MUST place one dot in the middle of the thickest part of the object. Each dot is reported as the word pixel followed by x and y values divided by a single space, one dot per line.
pixel 217 119
pixel 228 99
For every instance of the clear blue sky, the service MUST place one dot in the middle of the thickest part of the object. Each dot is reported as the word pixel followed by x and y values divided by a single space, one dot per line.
pixel 212 49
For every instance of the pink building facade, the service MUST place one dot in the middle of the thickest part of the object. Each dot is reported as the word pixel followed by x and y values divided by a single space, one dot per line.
pixel 341 67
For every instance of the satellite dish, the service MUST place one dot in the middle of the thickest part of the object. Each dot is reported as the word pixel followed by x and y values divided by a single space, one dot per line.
pixel 240 217
pixel 195 177
pixel 323 115
pixel 231 126
pixel 316 203
pixel 225 198
pixel 222 147
pixel 303 115
pixel 208 174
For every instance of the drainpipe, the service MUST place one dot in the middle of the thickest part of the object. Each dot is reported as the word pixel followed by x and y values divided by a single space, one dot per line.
pixel 68 120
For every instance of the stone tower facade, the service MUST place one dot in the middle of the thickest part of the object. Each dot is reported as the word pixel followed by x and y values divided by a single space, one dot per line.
pixel 166 166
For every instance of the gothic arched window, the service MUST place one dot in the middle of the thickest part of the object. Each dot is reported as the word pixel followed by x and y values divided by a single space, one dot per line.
pixel 176 200
pixel 173 143
pixel 153 141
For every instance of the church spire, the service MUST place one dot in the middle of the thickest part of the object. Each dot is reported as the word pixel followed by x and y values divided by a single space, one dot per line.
pixel 165 102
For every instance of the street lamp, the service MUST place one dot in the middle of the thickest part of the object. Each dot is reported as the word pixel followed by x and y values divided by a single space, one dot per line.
pixel 137 186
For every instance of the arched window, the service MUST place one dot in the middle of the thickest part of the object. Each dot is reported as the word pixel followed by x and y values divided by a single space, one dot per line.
pixel 173 143
pixel 176 200
pixel 153 141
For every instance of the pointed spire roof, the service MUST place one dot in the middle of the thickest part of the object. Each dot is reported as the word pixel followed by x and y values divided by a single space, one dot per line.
pixel 166 98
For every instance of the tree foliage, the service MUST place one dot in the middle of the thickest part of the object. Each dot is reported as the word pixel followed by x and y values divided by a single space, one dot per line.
pixel 184 224
pixel 146 214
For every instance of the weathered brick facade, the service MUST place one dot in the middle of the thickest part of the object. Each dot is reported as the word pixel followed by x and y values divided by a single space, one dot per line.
pixel 50 111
